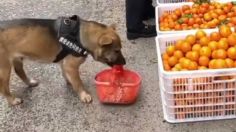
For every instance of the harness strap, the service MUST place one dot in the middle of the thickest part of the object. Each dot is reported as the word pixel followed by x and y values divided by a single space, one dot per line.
pixel 61 55
pixel 67 36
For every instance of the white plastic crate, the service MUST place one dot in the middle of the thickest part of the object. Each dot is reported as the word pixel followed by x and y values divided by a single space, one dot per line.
pixel 159 2
pixel 190 96
pixel 170 8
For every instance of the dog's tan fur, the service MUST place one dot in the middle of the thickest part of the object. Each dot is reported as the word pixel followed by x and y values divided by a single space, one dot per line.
pixel 37 43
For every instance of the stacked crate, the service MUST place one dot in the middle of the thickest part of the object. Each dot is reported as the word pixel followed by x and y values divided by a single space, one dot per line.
pixel 190 96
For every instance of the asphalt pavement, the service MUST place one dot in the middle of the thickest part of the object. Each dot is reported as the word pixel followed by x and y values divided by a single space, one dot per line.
pixel 52 107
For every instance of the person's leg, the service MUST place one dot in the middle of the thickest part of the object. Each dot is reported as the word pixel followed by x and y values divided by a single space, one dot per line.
pixel 134 16
pixel 149 10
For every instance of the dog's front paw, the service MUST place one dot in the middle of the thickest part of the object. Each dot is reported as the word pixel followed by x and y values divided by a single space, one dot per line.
pixel 16 101
pixel 85 97
pixel 33 83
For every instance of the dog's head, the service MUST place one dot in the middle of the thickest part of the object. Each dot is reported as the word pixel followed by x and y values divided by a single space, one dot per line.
pixel 102 42
pixel 109 49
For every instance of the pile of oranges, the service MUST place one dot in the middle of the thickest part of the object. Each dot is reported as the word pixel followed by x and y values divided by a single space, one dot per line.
pixel 201 51
pixel 199 16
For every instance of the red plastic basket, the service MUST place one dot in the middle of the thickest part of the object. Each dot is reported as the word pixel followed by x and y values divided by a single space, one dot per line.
pixel 117 85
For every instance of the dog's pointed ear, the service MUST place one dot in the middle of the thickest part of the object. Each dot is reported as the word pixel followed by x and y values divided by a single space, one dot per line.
pixel 113 26
pixel 74 17
pixel 105 40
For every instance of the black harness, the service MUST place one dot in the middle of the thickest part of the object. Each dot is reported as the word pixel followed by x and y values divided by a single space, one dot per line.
pixel 69 38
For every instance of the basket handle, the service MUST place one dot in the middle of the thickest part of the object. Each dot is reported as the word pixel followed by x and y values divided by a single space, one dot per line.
pixel 117 71
pixel 224 81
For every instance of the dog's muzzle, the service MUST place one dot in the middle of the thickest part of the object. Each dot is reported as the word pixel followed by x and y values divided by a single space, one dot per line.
pixel 119 61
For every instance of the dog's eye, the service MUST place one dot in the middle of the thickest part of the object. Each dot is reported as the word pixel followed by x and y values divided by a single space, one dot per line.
pixel 117 51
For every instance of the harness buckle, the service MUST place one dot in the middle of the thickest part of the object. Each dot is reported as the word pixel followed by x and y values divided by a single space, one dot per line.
pixel 67 22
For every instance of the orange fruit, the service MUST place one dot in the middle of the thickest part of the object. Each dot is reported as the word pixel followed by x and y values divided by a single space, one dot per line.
pixel 233 20
pixel 174 17
pixel 211 24
pixel 195 56
pixel 220 63
pixel 232 39
pixel 213 55
pixel 178 54
pixel 214 15
pixel 216 22
pixel 229 63
pixel 198 21
pixel 185 47
pixel 230 15
pixel 193 65
pixel 225 31
pixel 191 21
pixel 178 66
pixel 174 69
pixel 178 44
pixel 230 24
pixel 202 10
pixel 185 63
pixel 199 34
pixel 222 17
pixel 171 25
pixel 203 61
pixel 211 64
pixel 213 45
pixel 234 63
pixel 207 17
pixel 191 39
pixel 230 5
pixel 220 54
pixel 204 41
pixel 195 26
pixel 231 52
pixel 177 27
pixel 196 47
pixel 172 61
pixel 215 36
pixel 185 7
pixel 192 55
pixel 165 56
pixel 206 5
pixel 219 11
pixel 177 12
pixel 167 67
pixel 223 44
pixel 188 54
pixel 202 68
pixel 182 59
pixel 226 9
pixel 170 50
pixel 211 7
pixel 205 51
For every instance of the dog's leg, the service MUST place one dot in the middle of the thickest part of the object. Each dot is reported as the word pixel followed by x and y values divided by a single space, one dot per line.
pixel 70 67
pixel 5 72
pixel 18 66
pixel 66 79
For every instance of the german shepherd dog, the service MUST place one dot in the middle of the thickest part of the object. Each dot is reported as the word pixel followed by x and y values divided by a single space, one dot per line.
pixel 65 40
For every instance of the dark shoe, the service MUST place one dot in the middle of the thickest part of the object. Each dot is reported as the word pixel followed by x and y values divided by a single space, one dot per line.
pixel 146 32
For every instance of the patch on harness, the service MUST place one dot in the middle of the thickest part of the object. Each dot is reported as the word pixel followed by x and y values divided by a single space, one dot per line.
pixel 72 46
